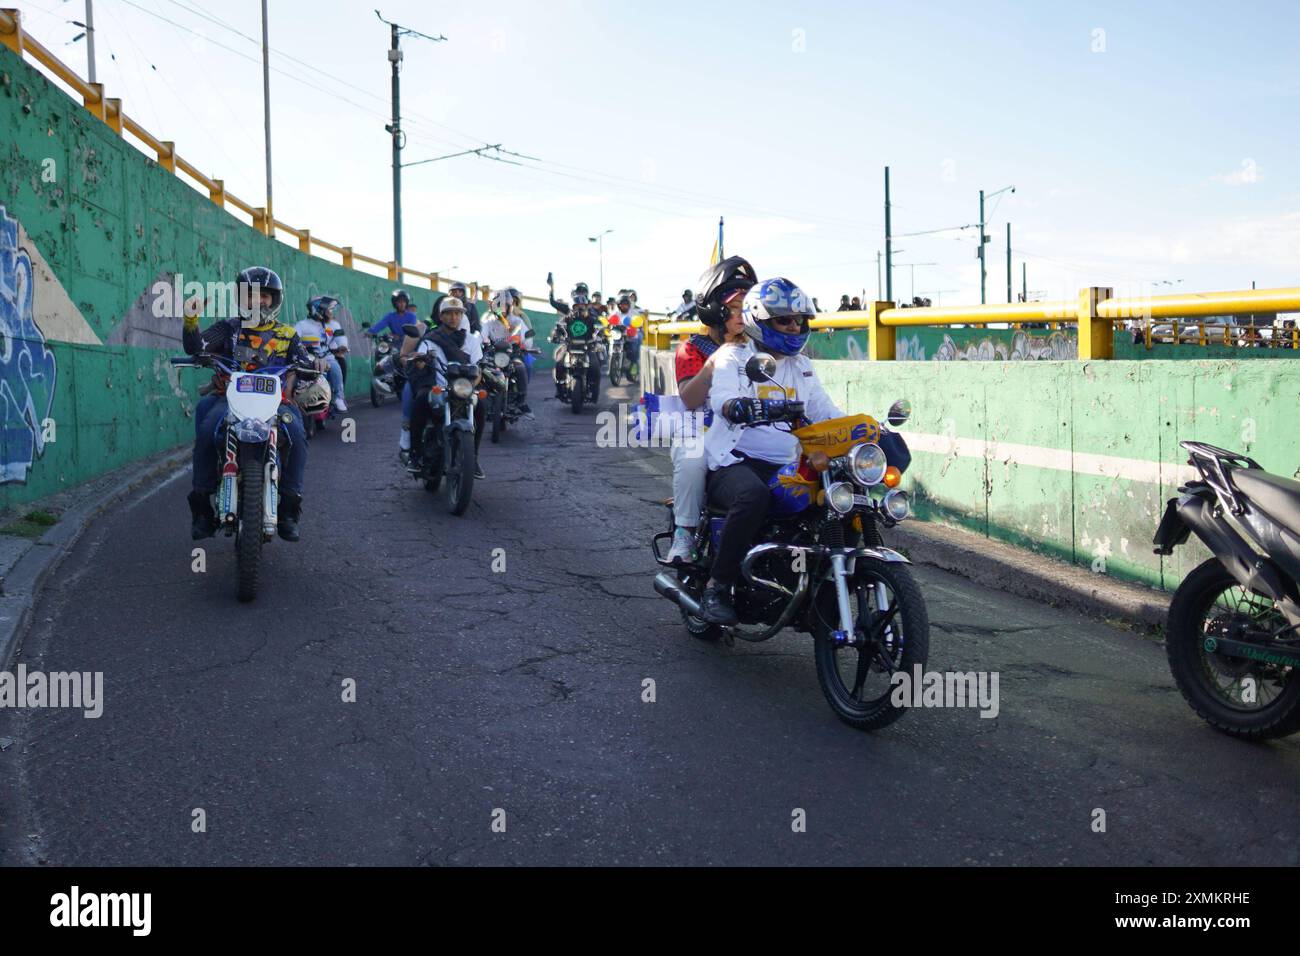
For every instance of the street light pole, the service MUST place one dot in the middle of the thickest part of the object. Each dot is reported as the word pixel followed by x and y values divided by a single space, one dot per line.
pixel 269 222
pixel 600 243
pixel 983 239
pixel 90 38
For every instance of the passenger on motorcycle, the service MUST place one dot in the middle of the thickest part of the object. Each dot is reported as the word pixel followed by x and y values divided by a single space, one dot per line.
pixel 317 328
pixel 259 296
pixel 743 459
pixel 458 291
pixel 504 324
pixel 722 289
pixel 403 313
pixel 631 321
pixel 449 339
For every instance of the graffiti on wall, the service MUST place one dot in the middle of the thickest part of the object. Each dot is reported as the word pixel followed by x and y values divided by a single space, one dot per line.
pixel 1022 347
pixel 28 371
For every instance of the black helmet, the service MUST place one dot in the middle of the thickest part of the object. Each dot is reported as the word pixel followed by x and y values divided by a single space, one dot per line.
pixel 322 308
pixel 581 290
pixel 733 274
pixel 399 294
pixel 686 294
pixel 260 279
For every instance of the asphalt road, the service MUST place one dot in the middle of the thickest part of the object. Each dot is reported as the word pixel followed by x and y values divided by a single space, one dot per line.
pixel 479 691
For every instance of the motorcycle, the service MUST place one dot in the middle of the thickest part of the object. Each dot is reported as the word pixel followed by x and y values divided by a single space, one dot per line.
pixel 449 458
pixel 387 378
pixel 819 564
pixel 502 384
pixel 580 382
pixel 1233 631
pixel 620 364
pixel 314 396
pixel 247 498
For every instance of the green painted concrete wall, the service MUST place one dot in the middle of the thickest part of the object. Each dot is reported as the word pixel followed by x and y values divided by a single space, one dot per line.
pixel 94 225
pixel 1008 449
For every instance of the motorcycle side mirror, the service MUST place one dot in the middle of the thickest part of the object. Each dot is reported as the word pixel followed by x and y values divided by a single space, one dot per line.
pixel 365 324
pixel 760 368
pixel 899 412
pixel 411 329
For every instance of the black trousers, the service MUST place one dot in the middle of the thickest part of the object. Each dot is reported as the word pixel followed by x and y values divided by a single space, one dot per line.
pixel 742 490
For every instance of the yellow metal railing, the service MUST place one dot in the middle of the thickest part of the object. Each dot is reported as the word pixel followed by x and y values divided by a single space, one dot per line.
pixel 109 110
pixel 1095 312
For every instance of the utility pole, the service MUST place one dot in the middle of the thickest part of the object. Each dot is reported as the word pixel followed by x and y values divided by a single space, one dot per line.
pixel 983 240
pixel 90 38
pixel 1009 280
pixel 878 289
pixel 889 245
pixel 600 242
pixel 269 222
pixel 395 128
pixel 1024 283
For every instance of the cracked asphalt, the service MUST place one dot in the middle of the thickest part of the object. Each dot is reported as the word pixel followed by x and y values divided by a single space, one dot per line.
pixel 479 691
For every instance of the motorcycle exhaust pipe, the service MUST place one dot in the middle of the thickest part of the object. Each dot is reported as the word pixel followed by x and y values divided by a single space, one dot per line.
pixel 1251 570
pixel 669 587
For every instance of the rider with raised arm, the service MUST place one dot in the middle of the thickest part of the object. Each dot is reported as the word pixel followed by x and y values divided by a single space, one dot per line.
pixel 744 454
pixel 573 317
pixel 256 340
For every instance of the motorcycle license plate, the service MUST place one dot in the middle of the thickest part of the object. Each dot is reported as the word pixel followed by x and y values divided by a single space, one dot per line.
pixel 258 384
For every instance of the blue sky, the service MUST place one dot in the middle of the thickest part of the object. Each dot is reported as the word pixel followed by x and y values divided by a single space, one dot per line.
pixel 1153 146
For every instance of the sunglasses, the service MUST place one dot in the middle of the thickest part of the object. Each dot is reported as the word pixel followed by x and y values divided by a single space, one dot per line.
pixel 788 320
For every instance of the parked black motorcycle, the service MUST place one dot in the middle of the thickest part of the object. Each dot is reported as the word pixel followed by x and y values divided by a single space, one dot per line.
pixel 1233 634
pixel 819 564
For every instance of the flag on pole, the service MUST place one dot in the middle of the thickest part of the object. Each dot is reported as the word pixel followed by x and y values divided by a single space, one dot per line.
pixel 718 255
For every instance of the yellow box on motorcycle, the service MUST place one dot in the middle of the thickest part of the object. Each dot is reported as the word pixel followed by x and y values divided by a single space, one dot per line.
pixel 836 436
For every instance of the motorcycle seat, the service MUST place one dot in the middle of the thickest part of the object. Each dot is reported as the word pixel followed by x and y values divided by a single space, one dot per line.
pixel 1278 496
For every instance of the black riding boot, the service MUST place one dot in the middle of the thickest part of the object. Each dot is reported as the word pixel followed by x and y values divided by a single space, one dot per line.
pixel 290 512
pixel 205 520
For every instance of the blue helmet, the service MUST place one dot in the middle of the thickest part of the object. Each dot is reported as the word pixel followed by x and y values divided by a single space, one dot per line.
pixel 773 298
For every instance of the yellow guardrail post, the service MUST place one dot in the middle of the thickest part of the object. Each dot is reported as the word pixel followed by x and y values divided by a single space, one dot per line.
pixel 217 192
pixel 347 258
pixel 11 29
pixel 881 343
pixel 392 270
pixel 1096 334
pixel 94 100
pixel 113 115
pixel 304 241
pixel 433 282
pixel 167 156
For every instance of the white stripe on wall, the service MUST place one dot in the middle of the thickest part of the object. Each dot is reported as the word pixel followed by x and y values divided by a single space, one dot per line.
pixel 1057 459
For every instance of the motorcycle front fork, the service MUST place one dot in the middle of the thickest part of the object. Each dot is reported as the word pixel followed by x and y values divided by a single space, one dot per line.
pixel 841 573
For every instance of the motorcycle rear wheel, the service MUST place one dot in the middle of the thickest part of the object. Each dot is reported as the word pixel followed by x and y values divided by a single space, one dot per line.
pixel 498 417
pixel 248 532
pixel 1213 684
pixel 910 645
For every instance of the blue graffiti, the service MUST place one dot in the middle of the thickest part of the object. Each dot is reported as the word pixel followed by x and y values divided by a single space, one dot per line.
pixel 28 370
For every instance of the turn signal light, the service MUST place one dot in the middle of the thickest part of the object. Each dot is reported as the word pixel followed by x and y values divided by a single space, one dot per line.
pixel 892 477
pixel 819 461
pixel 482 395
pixel 437 389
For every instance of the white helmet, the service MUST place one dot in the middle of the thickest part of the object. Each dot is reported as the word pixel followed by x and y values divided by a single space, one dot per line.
pixel 313 396
pixel 502 299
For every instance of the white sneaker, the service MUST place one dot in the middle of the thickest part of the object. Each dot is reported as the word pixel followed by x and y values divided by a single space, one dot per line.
pixel 340 405
pixel 683 549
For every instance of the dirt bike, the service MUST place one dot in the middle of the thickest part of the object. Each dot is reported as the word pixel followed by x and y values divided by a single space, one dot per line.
pixel 819 564
pixel 253 441
pixel 1233 633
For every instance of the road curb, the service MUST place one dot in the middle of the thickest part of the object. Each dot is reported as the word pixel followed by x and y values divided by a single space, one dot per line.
pixel 1006 567
pixel 22 585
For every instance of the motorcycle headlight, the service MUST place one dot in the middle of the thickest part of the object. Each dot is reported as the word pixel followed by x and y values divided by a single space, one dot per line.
pixel 896 504
pixel 461 387
pixel 252 430
pixel 840 497
pixel 867 462
pixel 501 360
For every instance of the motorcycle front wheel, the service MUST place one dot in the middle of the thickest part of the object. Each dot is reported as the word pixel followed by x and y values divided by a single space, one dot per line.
pixel 1254 700
pixel 855 677
pixel 615 368
pixel 576 395
pixel 376 396
pixel 248 531
pixel 498 417
pixel 460 472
